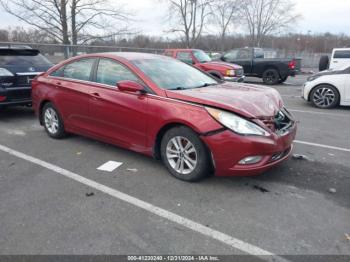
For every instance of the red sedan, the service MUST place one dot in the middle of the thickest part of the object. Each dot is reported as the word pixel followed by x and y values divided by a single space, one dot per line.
pixel 164 108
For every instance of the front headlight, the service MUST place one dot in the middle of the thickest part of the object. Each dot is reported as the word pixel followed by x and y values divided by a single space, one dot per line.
pixel 230 72
pixel 236 123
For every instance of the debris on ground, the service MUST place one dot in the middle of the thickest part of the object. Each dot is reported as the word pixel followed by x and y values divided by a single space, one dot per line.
pixel 261 189
pixel 90 194
pixel 347 236
pixel 110 166
pixel 133 170
pixel 332 190
pixel 179 205
pixel 330 154
pixel 301 157
pixel 79 153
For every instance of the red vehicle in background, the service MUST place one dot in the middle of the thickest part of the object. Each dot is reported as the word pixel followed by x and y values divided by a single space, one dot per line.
pixel 199 59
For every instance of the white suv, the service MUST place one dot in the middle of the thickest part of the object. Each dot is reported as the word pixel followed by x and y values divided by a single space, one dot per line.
pixel 340 58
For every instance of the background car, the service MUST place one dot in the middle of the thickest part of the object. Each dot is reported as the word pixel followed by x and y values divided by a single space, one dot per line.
pixel 164 108
pixel 271 70
pixel 328 89
pixel 199 59
pixel 19 65
pixel 340 58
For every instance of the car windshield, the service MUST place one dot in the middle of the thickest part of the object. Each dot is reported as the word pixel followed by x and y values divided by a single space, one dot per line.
pixel 201 56
pixel 172 74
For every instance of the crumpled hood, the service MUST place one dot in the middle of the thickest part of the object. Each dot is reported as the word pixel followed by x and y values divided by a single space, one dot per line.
pixel 247 100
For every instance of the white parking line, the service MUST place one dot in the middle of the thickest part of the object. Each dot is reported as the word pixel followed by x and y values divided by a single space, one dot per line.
pixel 322 146
pixel 190 224
pixel 316 112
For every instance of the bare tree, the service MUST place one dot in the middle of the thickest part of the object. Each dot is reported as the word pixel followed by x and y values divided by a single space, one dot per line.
pixel 264 17
pixel 190 17
pixel 69 21
pixel 224 13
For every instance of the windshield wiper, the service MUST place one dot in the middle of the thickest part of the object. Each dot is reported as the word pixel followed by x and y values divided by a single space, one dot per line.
pixel 205 85
pixel 177 88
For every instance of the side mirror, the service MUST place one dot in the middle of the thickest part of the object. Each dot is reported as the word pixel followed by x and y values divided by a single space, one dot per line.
pixel 130 86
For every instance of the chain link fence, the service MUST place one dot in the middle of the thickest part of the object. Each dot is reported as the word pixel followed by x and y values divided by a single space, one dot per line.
pixel 57 52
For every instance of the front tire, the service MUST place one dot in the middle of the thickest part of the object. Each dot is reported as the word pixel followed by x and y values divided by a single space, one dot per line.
pixel 325 97
pixel 271 77
pixel 52 121
pixel 185 155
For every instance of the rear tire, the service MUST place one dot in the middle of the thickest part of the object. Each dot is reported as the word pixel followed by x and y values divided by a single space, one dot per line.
pixel 325 97
pixel 185 155
pixel 52 121
pixel 271 77
pixel 324 63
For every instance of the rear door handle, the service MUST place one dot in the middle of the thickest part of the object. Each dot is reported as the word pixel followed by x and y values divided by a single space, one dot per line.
pixel 95 95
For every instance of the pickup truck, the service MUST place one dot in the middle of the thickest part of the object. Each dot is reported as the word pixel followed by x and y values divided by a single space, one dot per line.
pixel 200 60
pixel 272 71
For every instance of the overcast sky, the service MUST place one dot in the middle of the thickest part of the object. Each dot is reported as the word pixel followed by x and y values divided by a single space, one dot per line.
pixel 317 16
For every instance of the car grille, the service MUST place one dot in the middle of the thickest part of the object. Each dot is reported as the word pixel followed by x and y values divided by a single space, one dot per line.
pixel 280 123
pixel 280 155
pixel 23 81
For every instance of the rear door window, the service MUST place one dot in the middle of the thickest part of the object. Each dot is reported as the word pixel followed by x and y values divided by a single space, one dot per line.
pixel 79 70
pixel 110 72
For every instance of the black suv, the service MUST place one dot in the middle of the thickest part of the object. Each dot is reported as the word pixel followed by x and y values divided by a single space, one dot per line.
pixel 19 65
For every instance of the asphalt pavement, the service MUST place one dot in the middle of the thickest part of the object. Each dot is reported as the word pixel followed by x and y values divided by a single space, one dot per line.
pixel 53 200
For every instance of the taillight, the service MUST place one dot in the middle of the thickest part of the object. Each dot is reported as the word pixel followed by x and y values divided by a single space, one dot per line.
pixel 2 98
pixel 5 72
pixel 292 64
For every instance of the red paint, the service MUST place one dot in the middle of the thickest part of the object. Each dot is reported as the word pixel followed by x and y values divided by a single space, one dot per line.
pixel 132 119
pixel 2 98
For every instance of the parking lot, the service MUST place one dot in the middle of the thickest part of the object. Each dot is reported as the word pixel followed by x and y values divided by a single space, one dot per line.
pixel 55 201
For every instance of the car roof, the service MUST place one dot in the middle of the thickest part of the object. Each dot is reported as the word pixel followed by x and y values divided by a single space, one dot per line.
pixel 129 55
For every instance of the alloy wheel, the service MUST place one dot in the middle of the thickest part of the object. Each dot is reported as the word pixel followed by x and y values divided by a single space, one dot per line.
pixel 51 120
pixel 181 155
pixel 324 97
pixel 271 77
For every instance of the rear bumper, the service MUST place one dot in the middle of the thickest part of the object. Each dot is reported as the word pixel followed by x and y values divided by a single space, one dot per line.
pixel 228 149
pixel 15 96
